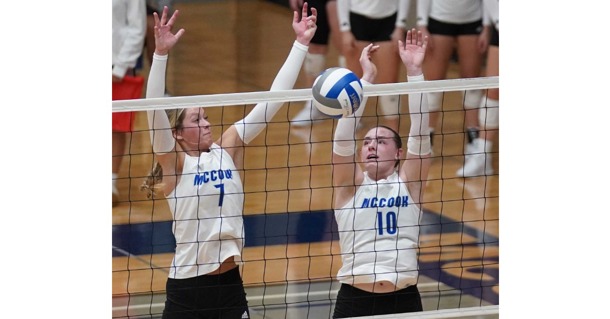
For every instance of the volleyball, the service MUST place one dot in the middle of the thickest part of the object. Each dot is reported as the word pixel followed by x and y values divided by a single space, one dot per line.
pixel 337 92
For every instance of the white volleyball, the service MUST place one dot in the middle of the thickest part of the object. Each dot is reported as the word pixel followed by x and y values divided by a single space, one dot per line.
pixel 337 92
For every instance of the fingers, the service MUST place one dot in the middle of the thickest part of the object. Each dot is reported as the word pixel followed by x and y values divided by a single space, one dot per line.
pixel 366 52
pixel 312 19
pixel 156 19
pixel 414 37
pixel 171 21
pixel 295 17
pixel 179 34
pixel 164 15
pixel 409 37
pixel 304 10
pixel 314 14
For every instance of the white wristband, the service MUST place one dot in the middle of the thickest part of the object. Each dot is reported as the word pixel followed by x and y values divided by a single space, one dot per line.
pixel 415 78
pixel 160 57
pixel 419 146
pixel 344 149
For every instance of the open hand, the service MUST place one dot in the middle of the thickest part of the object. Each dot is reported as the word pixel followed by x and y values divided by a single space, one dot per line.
pixel 413 51
pixel 164 38
pixel 305 26
pixel 369 69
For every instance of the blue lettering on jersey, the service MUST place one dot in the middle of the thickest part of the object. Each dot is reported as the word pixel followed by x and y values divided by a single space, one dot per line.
pixel 212 176
pixel 398 201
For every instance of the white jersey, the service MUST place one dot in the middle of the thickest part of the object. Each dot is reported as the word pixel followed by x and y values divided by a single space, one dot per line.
pixel 492 13
pixel 378 234
pixel 449 11
pixel 207 206
pixel 374 9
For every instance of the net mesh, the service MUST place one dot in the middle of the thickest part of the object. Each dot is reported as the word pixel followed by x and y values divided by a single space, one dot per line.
pixel 291 255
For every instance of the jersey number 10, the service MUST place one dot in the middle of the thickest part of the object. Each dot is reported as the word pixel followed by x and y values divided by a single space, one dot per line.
pixel 390 223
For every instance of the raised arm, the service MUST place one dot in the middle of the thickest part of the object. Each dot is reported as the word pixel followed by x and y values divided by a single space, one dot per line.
pixel 245 130
pixel 346 171
pixel 163 142
pixel 415 168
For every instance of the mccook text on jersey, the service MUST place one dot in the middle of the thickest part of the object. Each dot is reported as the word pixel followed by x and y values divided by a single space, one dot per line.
pixel 398 201
pixel 212 176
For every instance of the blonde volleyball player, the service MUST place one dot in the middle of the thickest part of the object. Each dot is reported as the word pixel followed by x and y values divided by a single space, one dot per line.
pixel 200 180
pixel 377 201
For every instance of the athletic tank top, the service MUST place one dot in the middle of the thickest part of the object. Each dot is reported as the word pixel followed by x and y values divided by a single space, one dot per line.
pixel 207 206
pixel 378 234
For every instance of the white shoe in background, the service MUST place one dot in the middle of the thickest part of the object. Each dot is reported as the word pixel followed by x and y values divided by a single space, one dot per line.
pixel 307 115
pixel 477 159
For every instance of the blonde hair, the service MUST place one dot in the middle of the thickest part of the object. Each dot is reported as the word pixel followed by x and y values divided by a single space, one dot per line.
pixel 155 176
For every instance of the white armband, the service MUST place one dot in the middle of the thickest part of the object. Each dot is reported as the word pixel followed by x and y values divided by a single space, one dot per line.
pixel 419 133
pixel 160 129
pixel 251 125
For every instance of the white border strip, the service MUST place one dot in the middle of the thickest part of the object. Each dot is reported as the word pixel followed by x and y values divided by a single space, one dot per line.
pixel 321 298
pixel 248 98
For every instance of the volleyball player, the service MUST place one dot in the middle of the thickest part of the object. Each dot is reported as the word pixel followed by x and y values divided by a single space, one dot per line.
pixel 377 201
pixel 454 25
pixel 201 181
pixel 478 161
pixel 382 22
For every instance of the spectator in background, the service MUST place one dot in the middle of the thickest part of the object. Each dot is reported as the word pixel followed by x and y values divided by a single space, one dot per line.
pixel 479 161
pixel 451 25
pixel 128 33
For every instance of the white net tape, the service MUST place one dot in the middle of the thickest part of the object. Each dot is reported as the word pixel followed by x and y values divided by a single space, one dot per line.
pixel 214 100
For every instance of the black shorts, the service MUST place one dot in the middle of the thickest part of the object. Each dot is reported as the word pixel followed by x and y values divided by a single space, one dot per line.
pixel 213 296
pixel 495 36
pixel 323 27
pixel 372 30
pixel 353 302
pixel 454 29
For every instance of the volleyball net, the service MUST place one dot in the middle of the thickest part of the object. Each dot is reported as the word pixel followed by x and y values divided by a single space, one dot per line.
pixel 291 255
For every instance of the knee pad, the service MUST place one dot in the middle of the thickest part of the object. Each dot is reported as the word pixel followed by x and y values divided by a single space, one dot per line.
pixel 489 115
pixel 472 99
pixel 435 101
pixel 314 64
pixel 389 105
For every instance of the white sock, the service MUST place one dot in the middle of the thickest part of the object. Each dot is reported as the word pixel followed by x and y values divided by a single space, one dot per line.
pixel 341 61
